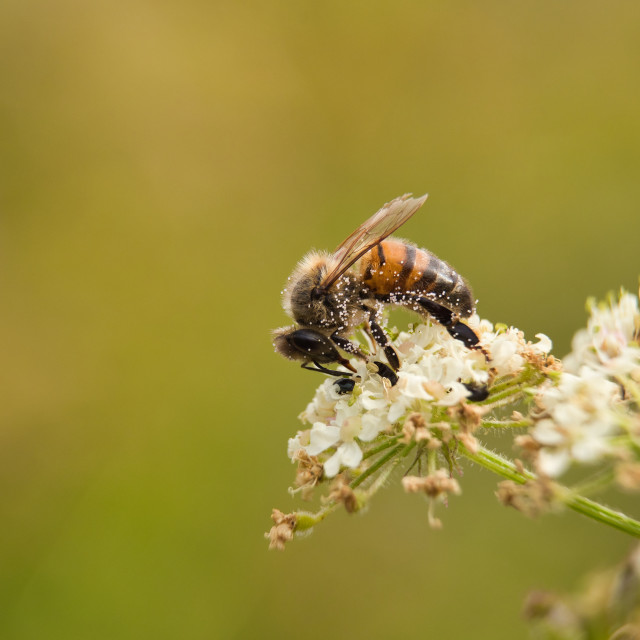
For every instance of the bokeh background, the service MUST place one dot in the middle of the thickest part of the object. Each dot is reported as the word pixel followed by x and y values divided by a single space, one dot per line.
pixel 163 165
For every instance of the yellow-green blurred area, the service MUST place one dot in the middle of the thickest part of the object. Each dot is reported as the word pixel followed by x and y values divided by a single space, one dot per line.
pixel 163 165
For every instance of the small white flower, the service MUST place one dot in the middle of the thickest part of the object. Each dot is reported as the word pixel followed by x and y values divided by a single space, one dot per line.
pixel 455 394
pixel 581 419
pixel 544 344
pixel 609 343
pixel 293 446
pixel 505 351
pixel 322 436
pixel 373 422
pixel 348 454
pixel 553 462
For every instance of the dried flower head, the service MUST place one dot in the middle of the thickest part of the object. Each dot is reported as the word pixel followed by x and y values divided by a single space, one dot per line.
pixel 282 530
pixel 532 498
pixel 436 485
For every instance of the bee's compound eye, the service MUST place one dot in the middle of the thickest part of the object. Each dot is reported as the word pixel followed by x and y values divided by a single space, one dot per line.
pixel 314 344
pixel 306 340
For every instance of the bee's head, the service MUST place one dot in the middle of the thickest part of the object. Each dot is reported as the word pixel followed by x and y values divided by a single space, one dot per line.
pixel 305 344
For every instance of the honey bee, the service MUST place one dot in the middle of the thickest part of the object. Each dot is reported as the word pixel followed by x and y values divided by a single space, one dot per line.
pixel 328 298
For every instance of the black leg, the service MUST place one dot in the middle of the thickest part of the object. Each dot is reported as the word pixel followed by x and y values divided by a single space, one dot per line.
pixel 320 369
pixel 386 372
pixel 456 329
pixel 348 346
pixel 382 339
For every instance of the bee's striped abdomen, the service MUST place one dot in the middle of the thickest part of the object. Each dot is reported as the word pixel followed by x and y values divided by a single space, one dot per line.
pixel 399 269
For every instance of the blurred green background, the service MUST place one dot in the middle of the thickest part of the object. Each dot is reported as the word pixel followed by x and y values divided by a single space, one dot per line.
pixel 163 165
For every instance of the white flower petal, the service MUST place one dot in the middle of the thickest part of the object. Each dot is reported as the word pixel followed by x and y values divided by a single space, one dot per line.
pixel 589 450
pixel 372 424
pixel 412 386
pixel 332 465
pixel 455 394
pixel 553 462
pixel 543 345
pixel 322 437
pixel 546 433
pixel 350 428
pixel 369 402
pixel 350 454
pixel 293 446
pixel 396 411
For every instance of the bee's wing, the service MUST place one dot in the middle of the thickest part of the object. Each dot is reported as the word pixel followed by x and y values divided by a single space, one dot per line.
pixel 380 225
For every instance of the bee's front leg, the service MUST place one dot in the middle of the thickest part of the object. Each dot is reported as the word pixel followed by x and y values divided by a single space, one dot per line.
pixel 320 369
pixel 348 346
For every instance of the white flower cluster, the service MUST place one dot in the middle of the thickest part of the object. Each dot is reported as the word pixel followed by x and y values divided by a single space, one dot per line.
pixel 434 370
pixel 590 405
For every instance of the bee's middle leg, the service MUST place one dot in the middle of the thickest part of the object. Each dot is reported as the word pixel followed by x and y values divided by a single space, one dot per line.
pixel 382 339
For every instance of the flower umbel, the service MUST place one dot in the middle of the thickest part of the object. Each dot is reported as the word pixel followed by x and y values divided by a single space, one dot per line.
pixel 591 415
pixel 449 399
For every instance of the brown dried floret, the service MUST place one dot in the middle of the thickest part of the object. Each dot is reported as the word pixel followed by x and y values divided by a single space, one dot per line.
pixel 468 416
pixel 434 485
pixel 308 474
pixel 415 428
pixel 342 492
pixel 628 475
pixel 282 530
pixel 529 446
pixel 531 498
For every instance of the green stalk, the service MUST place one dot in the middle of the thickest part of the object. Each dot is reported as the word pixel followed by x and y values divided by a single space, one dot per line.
pixel 506 424
pixel 494 398
pixel 596 482
pixel 385 445
pixel 306 520
pixel 578 503
pixel 376 465
pixel 384 476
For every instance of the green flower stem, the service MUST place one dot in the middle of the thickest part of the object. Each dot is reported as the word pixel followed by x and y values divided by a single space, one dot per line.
pixel 529 376
pixel 596 482
pixel 599 512
pixel 306 520
pixel 431 461
pixel 512 394
pixel 586 507
pixel 385 445
pixel 377 464
pixel 506 424
pixel 512 388
pixel 384 476
pixel 496 463
pixel 523 378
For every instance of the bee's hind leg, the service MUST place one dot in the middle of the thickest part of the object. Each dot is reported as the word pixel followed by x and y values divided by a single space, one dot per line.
pixel 446 318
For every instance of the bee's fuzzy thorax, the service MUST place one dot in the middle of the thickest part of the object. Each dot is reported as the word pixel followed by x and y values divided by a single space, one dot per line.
pixel 308 272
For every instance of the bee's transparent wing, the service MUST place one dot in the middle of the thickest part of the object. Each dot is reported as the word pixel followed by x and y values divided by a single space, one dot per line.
pixel 380 225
